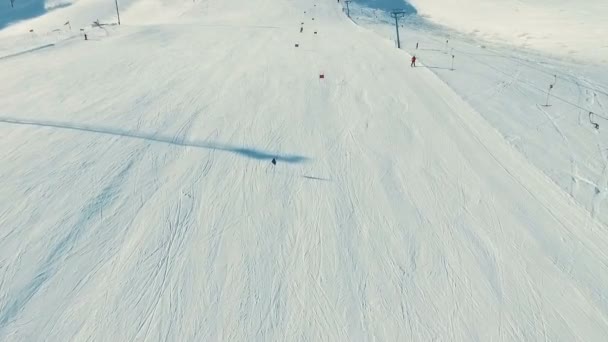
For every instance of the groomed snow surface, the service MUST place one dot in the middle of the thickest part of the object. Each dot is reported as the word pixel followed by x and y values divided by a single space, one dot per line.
pixel 576 29
pixel 139 201
pixel 545 108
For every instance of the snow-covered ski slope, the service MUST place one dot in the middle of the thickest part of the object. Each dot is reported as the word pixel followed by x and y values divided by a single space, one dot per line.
pixel 576 29
pixel 509 88
pixel 139 202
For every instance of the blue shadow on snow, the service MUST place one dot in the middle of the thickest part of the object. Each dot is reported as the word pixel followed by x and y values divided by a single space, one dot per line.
pixel 172 140
pixel 387 5
pixel 24 9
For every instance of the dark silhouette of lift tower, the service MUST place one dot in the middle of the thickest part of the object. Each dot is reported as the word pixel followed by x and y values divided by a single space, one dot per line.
pixel 117 12
pixel 347 8
pixel 397 14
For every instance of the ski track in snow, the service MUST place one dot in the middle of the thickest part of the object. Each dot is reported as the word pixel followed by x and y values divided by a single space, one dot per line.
pixel 139 202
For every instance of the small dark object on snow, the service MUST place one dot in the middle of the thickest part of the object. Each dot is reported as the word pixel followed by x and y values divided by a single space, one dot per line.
pixel 595 124
pixel 297 45
pixel 85 37
pixel 274 161
pixel 315 32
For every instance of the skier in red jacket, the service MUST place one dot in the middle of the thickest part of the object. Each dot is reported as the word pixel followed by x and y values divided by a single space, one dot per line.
pixel 413 61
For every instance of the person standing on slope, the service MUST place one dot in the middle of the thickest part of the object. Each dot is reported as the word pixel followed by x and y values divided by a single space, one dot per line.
pixel 413 61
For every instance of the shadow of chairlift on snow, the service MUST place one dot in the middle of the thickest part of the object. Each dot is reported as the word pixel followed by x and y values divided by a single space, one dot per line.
pixel 317 178
pixel 165 139
pixel 16 54
pixel 433 67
